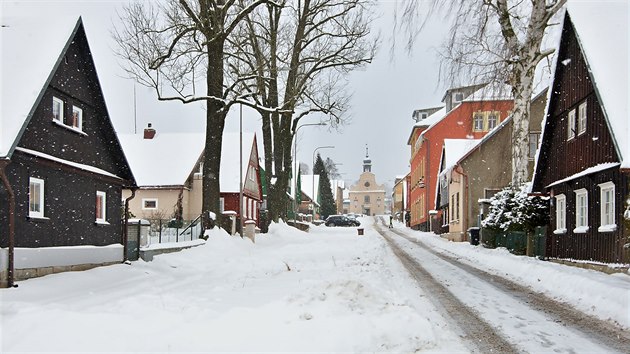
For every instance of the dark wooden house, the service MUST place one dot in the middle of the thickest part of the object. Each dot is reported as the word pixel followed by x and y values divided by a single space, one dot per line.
pixel 584 157
pixel 61 164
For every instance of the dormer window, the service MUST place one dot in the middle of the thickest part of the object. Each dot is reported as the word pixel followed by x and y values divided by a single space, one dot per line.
pixel 57 109
pixel 457 97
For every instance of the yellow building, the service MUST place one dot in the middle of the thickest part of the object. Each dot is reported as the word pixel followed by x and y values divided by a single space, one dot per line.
pixel 366 196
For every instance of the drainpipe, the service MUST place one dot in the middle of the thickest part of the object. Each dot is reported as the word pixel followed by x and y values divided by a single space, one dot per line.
pixel 125 224
pixel 7 186
pixel 465 201
pixel 427 185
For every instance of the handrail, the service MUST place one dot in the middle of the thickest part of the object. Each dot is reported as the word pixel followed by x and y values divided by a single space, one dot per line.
pixel 192 223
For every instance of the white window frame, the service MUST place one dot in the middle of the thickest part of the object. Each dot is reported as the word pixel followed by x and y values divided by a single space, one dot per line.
pixel 103 218
pixel 78 110
pixel 496 120
pixel 41 184
pixel 561 214
pixel 478 117
pixel 61 103
pixel 607 220
pixel 571 125
pixel 221 205
pixel 581 212
pixel 144 200
pixel 582 117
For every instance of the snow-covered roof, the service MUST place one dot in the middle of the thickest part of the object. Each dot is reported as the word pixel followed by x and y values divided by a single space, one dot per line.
pixel 602 31
pixel 29 51
pixel 166 160
pixel 68 163
pixel 586 172
pixel 455 149
pixel 307 185
pixel 169 158
pixel 491 92
pixel 432 119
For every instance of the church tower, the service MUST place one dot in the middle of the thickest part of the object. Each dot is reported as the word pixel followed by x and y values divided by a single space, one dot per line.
pixel 366 196
pixel 367 163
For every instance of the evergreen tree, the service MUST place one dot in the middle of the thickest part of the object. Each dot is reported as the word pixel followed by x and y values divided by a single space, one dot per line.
pixel 327 201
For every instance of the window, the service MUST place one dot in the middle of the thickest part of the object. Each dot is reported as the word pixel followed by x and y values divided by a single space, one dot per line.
pixel 571 125
pixel 101 199
pixel 582 118
pixel 492 121
pixel 607 205
pixel 77 117
pixel 452 207
pixel 366 199
pixel 423 115
pixel 581 211
pixel 57 109
pixel 534 138
pixel 457 97
pixel 561 214
pixel 457 206
pixel 36 198
pixel 221 205
pixel 478 122
pixel 149 204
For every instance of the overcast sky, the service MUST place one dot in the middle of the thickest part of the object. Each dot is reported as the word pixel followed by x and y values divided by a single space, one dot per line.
pixel 384 94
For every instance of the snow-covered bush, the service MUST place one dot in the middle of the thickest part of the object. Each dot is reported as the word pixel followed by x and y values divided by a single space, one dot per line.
pixel 514 210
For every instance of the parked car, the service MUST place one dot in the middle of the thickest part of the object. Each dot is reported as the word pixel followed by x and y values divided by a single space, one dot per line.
pixel 340 220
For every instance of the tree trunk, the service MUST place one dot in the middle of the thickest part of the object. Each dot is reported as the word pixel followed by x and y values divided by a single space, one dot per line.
pixel 215 122
pixel 522 91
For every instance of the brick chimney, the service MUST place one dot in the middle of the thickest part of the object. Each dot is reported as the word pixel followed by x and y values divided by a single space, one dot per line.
pixel 149 132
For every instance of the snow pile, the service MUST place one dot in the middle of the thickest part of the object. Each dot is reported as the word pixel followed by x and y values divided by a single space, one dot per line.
pixel 327 290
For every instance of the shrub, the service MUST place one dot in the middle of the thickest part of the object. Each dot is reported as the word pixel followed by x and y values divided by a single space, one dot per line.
pixel 514 210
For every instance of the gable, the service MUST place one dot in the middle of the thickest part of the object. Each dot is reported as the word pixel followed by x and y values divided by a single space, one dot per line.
pixel 574 84
pixel 73 82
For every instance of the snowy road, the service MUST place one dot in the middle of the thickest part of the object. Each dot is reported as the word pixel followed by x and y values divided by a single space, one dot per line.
pixel 495 314
pixel 329 290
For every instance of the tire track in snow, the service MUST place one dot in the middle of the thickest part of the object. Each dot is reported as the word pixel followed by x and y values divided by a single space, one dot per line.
pixel 596 330
pixel 479 335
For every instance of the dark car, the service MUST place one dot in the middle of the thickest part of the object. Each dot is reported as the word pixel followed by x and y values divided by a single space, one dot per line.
pixel 340 220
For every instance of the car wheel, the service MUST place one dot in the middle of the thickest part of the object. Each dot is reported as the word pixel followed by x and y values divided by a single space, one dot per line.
pixel 332 224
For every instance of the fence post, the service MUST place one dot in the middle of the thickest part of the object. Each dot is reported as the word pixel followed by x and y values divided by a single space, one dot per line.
pixel 160 234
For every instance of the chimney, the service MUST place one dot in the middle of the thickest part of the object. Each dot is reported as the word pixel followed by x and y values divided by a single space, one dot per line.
pixel 149 132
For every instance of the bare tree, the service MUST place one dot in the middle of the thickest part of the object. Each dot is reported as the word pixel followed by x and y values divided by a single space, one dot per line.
pixel 494 41
pixel 178 48
pixel 301 54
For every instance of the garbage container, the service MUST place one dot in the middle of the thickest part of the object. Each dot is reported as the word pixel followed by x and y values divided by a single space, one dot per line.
pixel 360 231
pixel 473 236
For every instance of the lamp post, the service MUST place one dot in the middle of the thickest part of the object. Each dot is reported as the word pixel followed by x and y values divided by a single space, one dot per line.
pixel 295 168
pixel 313 191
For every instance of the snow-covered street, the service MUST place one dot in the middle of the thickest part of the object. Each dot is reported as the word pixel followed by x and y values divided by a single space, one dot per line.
pixel 328 290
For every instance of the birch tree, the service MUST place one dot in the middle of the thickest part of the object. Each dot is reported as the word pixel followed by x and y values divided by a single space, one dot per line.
pixel 301 54
pixel 494 41
pixel 178 48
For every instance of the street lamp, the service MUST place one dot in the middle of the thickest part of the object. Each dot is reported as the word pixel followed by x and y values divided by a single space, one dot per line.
pixel 313 191
pixel 295 168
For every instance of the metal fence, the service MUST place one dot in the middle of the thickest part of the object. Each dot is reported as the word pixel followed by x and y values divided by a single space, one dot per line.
pixel 169 231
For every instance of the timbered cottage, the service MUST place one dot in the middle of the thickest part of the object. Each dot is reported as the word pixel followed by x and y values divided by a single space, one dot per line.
pixel 61 165
pixel 584 160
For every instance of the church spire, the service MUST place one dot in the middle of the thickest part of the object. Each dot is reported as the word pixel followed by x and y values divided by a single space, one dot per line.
pixel 367 163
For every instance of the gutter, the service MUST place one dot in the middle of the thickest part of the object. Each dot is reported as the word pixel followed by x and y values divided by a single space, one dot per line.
pixel 7 186
pixel 126 222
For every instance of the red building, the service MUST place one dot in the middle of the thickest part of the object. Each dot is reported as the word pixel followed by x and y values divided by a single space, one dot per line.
pixel 471 116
